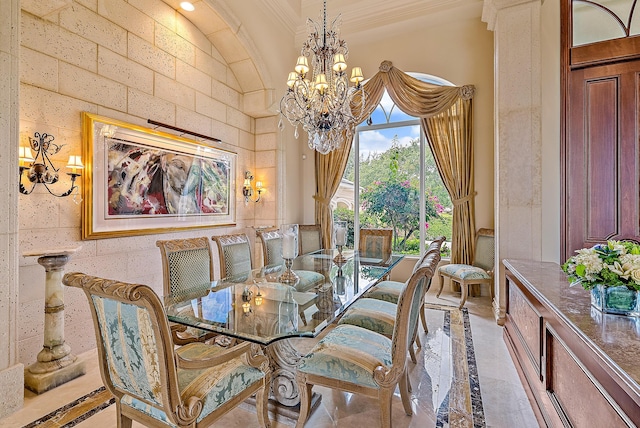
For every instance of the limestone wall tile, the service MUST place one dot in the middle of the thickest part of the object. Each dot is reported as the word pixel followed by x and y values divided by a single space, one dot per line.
pixel 210 107
pixel 217 55
pixel 151 261
pixel 46 107
pixel 32 206
pixel 43 36
pixel 224 93
pixel 246 140
pixel 80 336
pixel 145 105
pixel 266 141
pixel 145 53
pixel 76 306
pixel 245 71
pixel 70 209
pixel 265 159
pixel 210 66
pixel 38 239
pixel 192 77
pixel 128 17
pixel 105 247
pixel 172 43
pixel 238 119
pixel 112 266
pixel 38 69
pixel 187 30
pixel 267 124
pixel 31 318
pixel 264 213
pixel 31 283
pixel 228 134
pixel 175 92
pixel 79 83
pixel 125 71
pixel 228 44
pixel 28 348
pixel 43 8
pixel 232 81
pixel 88 24
pixel 192 121
pixel 158 10
pixel 260 103
pixel 123 116
pixel 89 4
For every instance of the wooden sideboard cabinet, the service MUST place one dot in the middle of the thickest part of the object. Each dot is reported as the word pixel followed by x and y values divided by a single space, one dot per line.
pixel 580 368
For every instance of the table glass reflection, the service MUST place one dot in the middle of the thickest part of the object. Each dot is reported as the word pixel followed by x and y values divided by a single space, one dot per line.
pixel 254 306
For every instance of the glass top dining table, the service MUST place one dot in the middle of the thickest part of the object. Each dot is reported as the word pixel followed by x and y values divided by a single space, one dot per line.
pixel 257 307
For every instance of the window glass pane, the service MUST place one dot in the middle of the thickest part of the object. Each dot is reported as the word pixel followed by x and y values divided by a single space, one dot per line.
pixel 381 183
pixel 594 24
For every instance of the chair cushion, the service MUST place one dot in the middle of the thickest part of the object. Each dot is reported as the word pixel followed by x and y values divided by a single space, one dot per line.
pixel 215 385
pixel 372 314
pixel 463 272
pixel 348 353
pixel 389 291
pixel 308 280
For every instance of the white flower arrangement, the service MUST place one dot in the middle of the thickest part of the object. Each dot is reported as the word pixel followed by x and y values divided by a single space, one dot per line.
pixel 613 264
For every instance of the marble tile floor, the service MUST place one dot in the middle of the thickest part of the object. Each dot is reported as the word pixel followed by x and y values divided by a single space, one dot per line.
pixel 504 401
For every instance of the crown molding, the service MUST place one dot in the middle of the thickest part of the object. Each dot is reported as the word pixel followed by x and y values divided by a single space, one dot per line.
pixel 284 13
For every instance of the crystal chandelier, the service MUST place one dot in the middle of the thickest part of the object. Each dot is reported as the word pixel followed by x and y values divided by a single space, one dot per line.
pixel 321 104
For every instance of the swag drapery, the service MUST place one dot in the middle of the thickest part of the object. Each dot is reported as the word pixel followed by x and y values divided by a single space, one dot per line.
pixel 445 114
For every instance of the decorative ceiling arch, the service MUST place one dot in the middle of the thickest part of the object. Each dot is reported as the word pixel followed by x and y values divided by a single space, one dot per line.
pixel 233 43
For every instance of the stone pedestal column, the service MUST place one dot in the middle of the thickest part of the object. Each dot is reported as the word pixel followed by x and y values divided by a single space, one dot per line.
pixel 56 364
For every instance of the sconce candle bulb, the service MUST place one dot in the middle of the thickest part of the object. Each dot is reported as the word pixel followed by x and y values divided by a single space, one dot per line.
pixel 247 190
pixel 40 169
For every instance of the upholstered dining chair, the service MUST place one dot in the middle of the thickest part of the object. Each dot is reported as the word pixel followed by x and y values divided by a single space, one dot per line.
pixel 361 361
pixel 187 267
pixel 389 291
pixel 271 240
pixel 234 252
pixel 309 238
pixel 479 272
pixel 155 384
pixel 375 243
pixel 379 315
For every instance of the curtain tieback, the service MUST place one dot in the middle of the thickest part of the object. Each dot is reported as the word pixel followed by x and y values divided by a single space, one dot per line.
pixel 460 201
pixel 323 201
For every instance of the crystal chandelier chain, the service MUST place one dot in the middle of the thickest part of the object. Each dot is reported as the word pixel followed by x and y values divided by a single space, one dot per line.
pixel 322 104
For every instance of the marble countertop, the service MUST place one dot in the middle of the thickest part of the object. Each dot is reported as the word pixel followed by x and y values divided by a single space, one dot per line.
pixel 616 338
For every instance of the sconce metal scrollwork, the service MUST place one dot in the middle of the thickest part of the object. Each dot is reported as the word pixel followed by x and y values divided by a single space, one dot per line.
pixel 40 170
pixel 247 190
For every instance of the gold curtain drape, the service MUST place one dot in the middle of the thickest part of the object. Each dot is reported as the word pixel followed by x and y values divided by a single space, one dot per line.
pixel 446 117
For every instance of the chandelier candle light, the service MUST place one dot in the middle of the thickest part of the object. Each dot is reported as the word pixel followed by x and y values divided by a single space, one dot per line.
pixel 321 104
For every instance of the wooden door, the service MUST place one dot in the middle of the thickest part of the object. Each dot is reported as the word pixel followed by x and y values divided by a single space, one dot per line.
pixel 601 194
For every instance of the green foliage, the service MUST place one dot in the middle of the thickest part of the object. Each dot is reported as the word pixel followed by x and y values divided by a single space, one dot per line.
pixel 440 226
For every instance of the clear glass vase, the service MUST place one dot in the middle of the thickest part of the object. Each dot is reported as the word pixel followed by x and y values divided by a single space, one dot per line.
pixel 615 300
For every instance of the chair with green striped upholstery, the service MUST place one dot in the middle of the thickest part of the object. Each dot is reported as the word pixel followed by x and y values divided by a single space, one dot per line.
pixel 379 315
pixel 155 384
pixel 480 271
pixel 355 359
pixel 389 291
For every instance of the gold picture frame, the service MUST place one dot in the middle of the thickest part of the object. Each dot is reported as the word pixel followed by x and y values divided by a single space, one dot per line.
pixel 140 181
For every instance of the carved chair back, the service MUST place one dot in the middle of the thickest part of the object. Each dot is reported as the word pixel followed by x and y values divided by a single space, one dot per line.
pixel 187 264
pixel 375 243
pixel 271 240
pixel 309 238
pixel 235 254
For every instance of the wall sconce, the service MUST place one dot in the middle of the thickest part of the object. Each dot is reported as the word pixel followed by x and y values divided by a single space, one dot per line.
pixel 247 190
pixel 40 170
pixel 247 295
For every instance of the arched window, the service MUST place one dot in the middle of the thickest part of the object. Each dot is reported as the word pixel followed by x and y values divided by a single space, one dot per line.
pixel 399 185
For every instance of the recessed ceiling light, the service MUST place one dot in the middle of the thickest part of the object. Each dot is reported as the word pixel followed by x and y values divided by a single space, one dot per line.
pixel 185 5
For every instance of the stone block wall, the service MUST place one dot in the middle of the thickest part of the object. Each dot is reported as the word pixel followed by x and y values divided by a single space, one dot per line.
pixel 130 61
